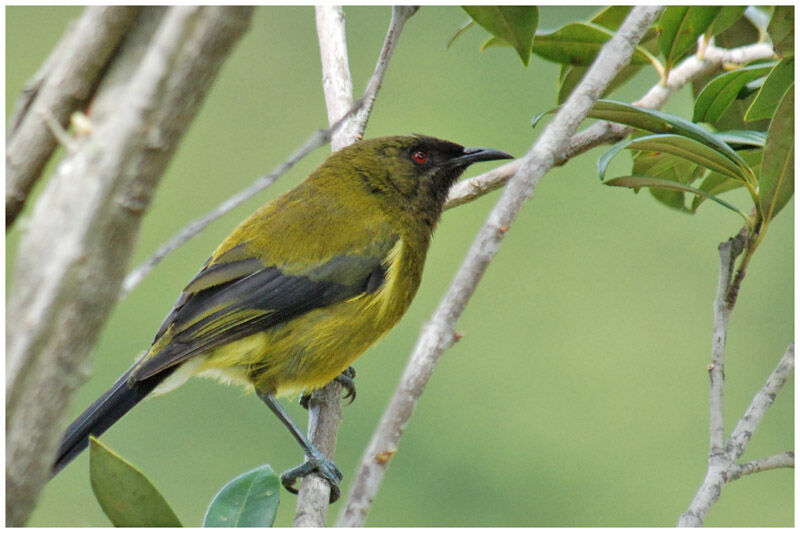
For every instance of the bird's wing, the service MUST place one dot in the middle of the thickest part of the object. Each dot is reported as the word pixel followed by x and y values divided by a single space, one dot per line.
pixel 236 295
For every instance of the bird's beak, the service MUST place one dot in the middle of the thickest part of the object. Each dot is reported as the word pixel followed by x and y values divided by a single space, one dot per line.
pixel 473 155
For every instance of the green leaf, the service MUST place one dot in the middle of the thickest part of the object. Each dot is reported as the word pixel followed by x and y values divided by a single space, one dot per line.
pixel 772 90
pixel 126 496
pixel 660 122
pixel 715 97
pixel 776 185
pixel 683 147
pixel 637 182
pixel 781 30
pixel 249 500
pixel 611 17
pixel 726 17
pixel 670 167
pixel 680 26
pixel 715 183
pixel 459 32
pixel 738 139
pixel 515 25
pixel 578 43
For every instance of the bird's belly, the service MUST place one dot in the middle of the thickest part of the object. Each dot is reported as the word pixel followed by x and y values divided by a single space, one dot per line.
pixel 305 353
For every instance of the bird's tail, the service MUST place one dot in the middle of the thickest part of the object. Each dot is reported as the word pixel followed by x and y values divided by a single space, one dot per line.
pixel 103 413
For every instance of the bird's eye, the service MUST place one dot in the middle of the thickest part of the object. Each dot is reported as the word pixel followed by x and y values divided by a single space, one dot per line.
pixel 419 157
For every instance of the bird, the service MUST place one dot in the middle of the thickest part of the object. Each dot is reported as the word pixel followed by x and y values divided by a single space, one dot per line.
pixel 300 288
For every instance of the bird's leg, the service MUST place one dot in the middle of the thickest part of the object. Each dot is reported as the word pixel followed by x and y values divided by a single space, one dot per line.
pixel 345 379
pixel 315 461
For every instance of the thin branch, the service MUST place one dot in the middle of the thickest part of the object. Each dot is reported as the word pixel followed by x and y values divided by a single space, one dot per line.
pixel 758 407
pixel 59 88
pixel 72 257
pixel 781 460
pixel 325 414
pixel 438 334
pixel 600 133
pixel 722 465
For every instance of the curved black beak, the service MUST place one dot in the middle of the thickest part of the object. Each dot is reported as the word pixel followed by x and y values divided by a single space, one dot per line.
pixel 474 155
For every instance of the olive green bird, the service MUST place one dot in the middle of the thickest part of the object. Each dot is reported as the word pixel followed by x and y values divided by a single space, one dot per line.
pixel 301 288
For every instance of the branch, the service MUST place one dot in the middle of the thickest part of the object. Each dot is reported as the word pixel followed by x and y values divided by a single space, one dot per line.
pixel 325 413
pixel 72 259
pixel 722 465
pixel 64 84
pixel 438 334
pixel 688 71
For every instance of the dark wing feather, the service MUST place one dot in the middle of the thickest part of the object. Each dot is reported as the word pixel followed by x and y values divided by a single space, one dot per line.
pixel 230 300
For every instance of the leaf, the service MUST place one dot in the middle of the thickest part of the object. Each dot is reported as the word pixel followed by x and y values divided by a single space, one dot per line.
pixel 126 496
pixel 670 167
pixel 715 183
pixel 660 122
pixel 680 26
pixel 515 25
pixel 637 182
pixel 781 30
pixel 611 17
pixel 578 43
pixel 720 92
pixel 249 500
pixel 772 90
pixel 738 139
pixel 726 17
pixel 683 147
pixel 459 32
pixel 776 185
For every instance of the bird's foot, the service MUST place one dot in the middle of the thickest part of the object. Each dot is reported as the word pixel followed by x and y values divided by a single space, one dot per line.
pixel 346 379
pixel 315 464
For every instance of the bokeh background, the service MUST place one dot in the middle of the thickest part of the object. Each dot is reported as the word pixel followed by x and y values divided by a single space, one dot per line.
pixel 578 396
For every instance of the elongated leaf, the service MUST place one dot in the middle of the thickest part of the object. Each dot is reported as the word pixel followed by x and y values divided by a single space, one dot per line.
pixel 772 90
pixel 126 496
pixel 637 182
pixel 781 30
pixel 715 97
pixel 459 32
pixel 680 27
pixel 726 17
pixel 515 25
pixel 776 185
pixel 714 184
pixel 611 17
pixel 578 43
pixel 249 500
pixel 670 167
pixel 660 122
pixel 737 139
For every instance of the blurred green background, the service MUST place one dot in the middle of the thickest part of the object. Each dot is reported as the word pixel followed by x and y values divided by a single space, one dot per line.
pixel 578 396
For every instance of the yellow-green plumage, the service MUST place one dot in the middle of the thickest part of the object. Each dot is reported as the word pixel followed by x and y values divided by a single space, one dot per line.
pixel 304 285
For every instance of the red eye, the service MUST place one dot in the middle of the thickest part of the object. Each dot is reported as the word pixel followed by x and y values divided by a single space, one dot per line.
pixel 419 157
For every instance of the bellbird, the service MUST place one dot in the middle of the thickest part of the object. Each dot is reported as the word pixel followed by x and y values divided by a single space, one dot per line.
pixel 300 288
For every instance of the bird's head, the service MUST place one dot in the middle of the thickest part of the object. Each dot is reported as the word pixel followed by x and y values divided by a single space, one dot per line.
pixel 413 173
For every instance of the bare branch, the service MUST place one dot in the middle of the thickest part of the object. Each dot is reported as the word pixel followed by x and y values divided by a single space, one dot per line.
pixel 72 259
pixel 600 133
pixel 438 333
pixel 758 407
pixel 722 466
pixel 781 460
pixel 63 85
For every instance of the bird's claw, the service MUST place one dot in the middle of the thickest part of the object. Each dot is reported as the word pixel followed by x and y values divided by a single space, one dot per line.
pixel 317 464
pixel 345 379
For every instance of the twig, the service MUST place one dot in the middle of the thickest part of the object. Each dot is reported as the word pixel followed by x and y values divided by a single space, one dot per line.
pixel 325 413
pixel 688 71
pixel 722 463
pixel 64 87
pixel 438 334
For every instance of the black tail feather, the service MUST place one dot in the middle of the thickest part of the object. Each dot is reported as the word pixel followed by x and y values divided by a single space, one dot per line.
pixel 103 413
